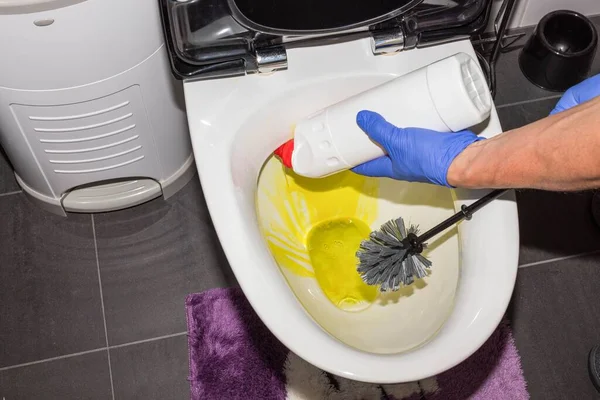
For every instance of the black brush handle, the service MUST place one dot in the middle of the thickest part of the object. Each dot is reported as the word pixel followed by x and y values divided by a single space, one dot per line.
pixel 465 212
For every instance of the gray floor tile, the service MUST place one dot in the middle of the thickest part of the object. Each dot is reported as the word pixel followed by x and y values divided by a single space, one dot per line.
pixel 544 217
pixel 556 319
pixel 8 183
pixel 522 114
pixel 74 378
pixel 554 224
pixel 49 293
pixel 513 86
pixel 152 370
pixel 151 257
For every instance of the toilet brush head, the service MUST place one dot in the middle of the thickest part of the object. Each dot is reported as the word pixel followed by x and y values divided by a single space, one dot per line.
pixel 391 257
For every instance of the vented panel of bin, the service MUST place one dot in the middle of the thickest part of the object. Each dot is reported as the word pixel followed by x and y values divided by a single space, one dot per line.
pixel 96 140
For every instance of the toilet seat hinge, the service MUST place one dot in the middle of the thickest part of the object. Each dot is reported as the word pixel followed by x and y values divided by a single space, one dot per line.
pixel 387 41
pixel 271 59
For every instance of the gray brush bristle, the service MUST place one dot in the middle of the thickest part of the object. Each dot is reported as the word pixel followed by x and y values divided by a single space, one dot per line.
pixel 386 261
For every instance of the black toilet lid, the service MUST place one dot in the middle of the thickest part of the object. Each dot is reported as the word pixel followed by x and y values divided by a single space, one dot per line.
pixel 316 15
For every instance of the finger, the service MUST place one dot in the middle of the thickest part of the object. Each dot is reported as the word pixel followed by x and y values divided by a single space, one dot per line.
pixel 557 109
pixel 376 127
pixel 566 101
pixel 380 167
pixel 586 90
pixel 580 93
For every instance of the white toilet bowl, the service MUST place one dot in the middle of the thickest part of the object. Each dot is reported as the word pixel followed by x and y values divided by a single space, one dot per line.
pixel 235 125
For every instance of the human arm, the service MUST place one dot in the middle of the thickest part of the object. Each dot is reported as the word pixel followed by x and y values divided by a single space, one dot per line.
pixel 559 152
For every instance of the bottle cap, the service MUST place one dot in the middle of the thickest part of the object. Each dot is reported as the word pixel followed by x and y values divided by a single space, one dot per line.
pixel 284 152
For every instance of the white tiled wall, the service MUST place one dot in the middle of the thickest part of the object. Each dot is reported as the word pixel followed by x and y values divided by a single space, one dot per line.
pixel 529 12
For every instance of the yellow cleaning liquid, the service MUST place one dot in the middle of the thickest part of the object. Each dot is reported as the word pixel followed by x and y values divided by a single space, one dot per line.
pixel 332 247
pixel 315 226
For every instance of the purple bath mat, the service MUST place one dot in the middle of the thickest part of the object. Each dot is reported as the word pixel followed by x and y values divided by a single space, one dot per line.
pixel 234 356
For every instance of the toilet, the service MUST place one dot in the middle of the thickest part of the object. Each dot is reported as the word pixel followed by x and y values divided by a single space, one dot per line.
pixel 250 73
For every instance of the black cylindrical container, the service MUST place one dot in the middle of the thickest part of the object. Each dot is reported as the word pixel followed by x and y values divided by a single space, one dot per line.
pixel 560 52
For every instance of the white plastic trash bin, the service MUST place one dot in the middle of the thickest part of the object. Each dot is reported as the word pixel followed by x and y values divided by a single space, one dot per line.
pixel 91 117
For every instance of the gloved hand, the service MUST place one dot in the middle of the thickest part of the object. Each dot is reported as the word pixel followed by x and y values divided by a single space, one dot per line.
pixel 580 93
pixel 413 154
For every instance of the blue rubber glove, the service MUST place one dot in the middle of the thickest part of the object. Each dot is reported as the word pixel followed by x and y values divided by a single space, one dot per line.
pixel 580 93
pixel 413 154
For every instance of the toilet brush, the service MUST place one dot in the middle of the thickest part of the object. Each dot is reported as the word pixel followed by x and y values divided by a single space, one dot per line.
pixel 391 257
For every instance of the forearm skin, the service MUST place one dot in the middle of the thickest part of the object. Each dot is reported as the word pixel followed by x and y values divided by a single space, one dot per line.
pixel 557 153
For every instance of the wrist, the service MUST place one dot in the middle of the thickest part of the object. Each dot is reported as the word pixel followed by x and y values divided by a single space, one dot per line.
pixel 460 172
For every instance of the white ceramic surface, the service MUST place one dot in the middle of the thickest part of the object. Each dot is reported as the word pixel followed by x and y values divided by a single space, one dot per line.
pixel 236 123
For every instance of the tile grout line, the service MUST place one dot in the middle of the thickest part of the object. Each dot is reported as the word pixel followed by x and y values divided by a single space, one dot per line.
pixel 518 103
pixel 558 259
pixel 10 193
pixel 154 339
pixel 185 332
pixel 112 386
pixel 81 353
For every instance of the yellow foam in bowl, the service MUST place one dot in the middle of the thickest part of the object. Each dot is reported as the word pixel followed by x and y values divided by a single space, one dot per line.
pixel 318 226
pixel 332 248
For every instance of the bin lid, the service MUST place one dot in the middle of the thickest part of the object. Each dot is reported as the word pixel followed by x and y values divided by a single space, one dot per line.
pixel 29 6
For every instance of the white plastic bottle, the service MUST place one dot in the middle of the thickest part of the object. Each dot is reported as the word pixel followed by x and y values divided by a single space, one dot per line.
pixel 448 95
